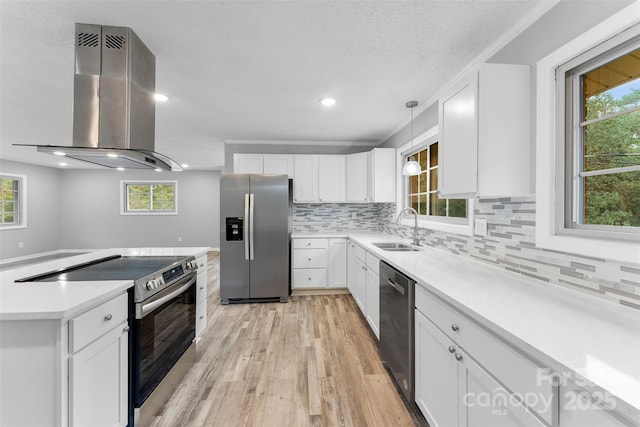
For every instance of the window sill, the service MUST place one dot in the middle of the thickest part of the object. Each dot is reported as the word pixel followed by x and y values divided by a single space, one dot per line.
pixel 462 229
pixel 12 227
pixel 148 213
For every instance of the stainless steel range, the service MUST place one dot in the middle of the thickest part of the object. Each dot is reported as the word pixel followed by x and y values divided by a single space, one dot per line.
pixel 162 320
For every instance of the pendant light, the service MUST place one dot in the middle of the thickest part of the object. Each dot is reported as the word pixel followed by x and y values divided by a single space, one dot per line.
pixel 412 167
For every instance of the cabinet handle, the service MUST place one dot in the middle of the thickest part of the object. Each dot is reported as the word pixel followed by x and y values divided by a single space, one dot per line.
pixel 458 357
pixel 126 329
pixel 309 244
pixel 452 349
pixel 308 278
pixel 201 317
pixel 454 327
pixel 202 288
pixel 308 259
pixel 108 317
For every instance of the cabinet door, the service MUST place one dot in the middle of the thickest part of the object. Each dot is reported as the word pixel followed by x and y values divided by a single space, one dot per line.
pixel 351 267
pixel 247 163
pixel 98 386
pixel 278 164
pixel 436 374
pixel 484 402
pixel 359 285
pixel 383 175
pixel 357 177
pixel 458 148
pixel 337 263
pixel 331 179
pixel 305 181
pixel 373 301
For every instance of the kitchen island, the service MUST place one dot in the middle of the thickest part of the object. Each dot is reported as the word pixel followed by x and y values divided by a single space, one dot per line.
pixel 65 344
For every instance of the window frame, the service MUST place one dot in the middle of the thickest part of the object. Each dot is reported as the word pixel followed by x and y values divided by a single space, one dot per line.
pixel 551 150
pixel 455 225
pixel 571 72
pixel 124 197
pixel 22 196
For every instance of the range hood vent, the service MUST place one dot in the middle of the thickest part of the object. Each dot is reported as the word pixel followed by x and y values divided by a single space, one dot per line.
pixel 114 106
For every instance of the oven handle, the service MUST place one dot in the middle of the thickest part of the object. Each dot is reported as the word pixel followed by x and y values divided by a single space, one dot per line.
pixel 145 309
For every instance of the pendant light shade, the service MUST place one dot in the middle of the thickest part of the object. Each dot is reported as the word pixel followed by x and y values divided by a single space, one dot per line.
pixel 412 167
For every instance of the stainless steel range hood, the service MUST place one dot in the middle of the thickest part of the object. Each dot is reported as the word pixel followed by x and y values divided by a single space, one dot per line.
pixel 114 106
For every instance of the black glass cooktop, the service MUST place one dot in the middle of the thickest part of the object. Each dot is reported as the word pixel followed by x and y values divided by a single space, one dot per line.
pixel 118 268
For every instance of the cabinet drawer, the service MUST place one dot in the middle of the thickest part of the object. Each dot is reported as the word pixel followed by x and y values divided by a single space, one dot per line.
pixel 358 251
pixel 310 243
pixel 516 371
pixel 373 263
pixel 309 277
pixel 89 326
pixel 201 317
pixel 310 258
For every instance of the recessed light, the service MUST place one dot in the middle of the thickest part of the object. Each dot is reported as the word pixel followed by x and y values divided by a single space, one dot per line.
pixel 158 170
pixel 59 153
pixel 328 102
pixel 184 165
pixel 160 97
pixel 62 164
pixel 113 155
pixel 120 168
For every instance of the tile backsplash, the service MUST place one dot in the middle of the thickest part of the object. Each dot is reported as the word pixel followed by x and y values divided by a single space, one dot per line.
pixel 509 244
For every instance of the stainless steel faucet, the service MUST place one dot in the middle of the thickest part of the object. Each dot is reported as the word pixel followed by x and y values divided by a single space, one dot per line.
pixel 416 240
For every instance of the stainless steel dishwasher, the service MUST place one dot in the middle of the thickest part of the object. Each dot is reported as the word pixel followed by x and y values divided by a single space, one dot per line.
pixel 396 326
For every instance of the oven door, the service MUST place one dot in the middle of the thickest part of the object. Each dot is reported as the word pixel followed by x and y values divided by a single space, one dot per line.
pixel 165 326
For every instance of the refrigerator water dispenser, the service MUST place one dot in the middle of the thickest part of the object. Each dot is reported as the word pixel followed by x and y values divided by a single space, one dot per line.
pixel 235 229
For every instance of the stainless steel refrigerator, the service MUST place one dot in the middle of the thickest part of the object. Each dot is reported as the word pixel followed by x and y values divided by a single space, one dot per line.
pixel 254 238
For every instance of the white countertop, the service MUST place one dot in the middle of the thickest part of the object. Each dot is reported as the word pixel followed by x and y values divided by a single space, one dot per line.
pixel 60 300
pixel 576 334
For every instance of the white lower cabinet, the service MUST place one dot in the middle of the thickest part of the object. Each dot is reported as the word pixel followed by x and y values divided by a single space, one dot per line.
pixel 319 263
pixel 465 376
pixel 201 295
pixel 363 282
pixel 98 365
pixel 98 385
pixel 580 408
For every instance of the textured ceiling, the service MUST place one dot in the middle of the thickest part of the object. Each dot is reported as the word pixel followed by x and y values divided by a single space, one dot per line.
pixel 247 70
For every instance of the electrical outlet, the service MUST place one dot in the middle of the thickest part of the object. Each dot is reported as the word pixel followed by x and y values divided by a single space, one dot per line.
pixel 179 239
pixel 353 215
pixel 480 228
pixel 20 245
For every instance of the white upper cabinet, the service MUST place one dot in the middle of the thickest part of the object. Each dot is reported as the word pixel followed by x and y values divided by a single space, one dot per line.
pixel 485 133
pixel 358 177
pixel 278 164
pixel 271 164
pixel 332 178
pixel 305 179
pixel 247 163
pixel 382 175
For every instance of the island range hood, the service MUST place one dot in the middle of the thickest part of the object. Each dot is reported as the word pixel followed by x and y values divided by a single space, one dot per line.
pixel 114 106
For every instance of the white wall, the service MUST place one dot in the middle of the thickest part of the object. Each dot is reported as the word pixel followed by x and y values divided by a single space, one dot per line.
pixel 43 231
pixel 90 211
pixel 80 209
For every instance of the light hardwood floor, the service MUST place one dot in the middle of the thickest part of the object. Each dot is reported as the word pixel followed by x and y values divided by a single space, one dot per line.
pixel 309 362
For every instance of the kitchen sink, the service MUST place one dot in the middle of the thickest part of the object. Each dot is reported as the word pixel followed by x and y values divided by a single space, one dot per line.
pixel 395 247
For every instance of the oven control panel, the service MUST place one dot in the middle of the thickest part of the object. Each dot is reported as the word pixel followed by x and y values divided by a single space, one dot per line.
pixel 171 274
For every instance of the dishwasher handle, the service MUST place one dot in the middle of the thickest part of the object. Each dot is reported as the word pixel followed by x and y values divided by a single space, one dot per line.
pixel 395 286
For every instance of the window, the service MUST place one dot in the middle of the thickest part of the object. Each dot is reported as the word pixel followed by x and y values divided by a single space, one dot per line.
pixel 605 148
pixel 149 197
pixel 602 122
pixel 586 149
pixel 422 189
pixel 12 209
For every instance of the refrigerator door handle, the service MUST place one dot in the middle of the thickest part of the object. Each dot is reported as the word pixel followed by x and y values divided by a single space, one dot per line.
pixel 251 213
pixel 244 229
